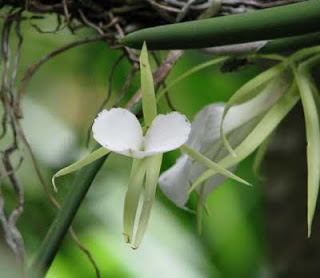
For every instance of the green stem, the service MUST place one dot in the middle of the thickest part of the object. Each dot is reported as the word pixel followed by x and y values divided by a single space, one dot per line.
pixel 273 23
pixel 291 44
pixel 199 209
pixel 59 227
pixel 51 243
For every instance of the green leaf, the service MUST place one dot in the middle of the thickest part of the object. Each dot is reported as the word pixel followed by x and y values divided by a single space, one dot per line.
pixel 210 164
pixel 152 175
pixel 131 202
pixel 262 130
pixel 79 164
pixel 313 139
pixel 292 20
pixel 262 82
pixel 149 105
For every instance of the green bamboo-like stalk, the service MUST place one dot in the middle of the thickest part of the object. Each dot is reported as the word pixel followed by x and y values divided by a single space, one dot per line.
pixel 63 220
pixel 291 44
pixel 59 227
pixel 267 24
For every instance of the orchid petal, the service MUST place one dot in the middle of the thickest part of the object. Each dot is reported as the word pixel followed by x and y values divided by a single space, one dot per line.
pixel 269 95
pixel 174 182
pixel 166 133
pixel 205 138
pixel 118 130
pixel 205 128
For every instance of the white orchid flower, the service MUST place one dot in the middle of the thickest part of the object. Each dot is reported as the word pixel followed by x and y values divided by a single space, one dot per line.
pixel 205 137
pixel 118 130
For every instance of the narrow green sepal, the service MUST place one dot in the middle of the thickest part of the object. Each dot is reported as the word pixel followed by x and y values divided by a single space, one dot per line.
pixel 131 202
pixel 152 176
pixel 149 105
pixel 313 139
pixel 79 164
pixel 195 155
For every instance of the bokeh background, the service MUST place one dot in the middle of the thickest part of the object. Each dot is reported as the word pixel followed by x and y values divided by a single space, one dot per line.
pixel 60 104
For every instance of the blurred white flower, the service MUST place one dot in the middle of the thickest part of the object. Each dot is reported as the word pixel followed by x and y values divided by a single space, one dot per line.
pixel 205 137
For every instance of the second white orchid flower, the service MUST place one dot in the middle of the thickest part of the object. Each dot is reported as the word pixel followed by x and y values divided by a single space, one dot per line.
pixel 259 103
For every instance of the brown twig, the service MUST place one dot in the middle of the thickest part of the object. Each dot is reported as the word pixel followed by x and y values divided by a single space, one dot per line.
pixel 12 234
pixel 167 95
pixel 10 120
pixel 66 11
pixel 163 7
pixel 90 24
pixel 132 55
pixel 159 75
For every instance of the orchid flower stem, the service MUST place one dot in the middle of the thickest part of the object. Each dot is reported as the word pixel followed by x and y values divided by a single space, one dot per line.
pixel 199 209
